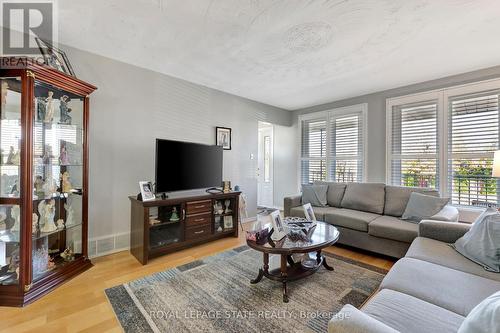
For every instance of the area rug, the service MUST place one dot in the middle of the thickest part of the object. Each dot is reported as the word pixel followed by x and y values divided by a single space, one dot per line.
pixel 215 295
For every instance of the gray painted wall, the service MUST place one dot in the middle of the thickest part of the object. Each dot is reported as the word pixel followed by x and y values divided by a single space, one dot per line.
pixel 132 107
pixel 376 113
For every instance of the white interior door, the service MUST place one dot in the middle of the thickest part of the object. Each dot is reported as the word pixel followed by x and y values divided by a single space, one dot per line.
pixel 265 166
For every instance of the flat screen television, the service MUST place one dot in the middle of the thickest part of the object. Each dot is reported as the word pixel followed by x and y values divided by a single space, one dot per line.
pixel 187 166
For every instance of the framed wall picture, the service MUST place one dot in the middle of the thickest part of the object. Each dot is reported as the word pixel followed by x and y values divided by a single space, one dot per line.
pixel 147 191
pixel 279 228
pixel 223 137
pixel 55 57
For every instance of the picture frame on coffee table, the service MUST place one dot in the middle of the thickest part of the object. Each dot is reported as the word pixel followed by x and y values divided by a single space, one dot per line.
pixel 309 212
pixel 278 226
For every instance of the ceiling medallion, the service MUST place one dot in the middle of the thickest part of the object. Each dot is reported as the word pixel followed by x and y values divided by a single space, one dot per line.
pixel 308 36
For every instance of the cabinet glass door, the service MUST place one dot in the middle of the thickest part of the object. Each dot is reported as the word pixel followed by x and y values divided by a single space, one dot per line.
pixel 10 213
pixel 57 178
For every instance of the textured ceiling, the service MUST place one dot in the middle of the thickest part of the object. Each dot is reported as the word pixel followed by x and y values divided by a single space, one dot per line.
pixel 290 53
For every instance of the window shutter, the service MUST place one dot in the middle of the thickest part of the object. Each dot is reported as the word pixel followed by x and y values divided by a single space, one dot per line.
pixel 313 150
pixel 346 148
pixel 473 137
pixel 414 145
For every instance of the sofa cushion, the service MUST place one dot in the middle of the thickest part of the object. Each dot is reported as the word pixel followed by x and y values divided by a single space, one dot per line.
pixel 396 198
pixel 443 254
pixel 393 228
pixel 421 206
pixel 367 197
pixel 406 313
pixel 335 193
pixel 448 288
pixel 352 219
pixel 314 194
pixel 318 211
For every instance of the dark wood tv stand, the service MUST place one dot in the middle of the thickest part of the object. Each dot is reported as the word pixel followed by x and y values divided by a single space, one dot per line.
pixel 155 230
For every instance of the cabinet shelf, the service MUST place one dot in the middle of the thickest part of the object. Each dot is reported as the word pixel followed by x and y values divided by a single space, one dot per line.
pixel 151 226
pixel 40 235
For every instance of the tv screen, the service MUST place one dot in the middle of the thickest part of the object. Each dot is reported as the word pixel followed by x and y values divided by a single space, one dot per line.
pixel 187 166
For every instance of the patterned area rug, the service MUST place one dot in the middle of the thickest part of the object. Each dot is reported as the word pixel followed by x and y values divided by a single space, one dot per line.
pixel 215 295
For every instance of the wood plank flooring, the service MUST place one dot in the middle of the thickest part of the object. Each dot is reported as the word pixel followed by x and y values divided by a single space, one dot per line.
pixel 80 305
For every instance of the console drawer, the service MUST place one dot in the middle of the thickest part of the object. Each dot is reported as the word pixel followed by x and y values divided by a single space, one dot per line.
pixel 196 220
pixel 198 232
pixel 196 207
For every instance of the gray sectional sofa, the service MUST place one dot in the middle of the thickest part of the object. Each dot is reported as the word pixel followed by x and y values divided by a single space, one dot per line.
pixel 367 215
pixel 432 289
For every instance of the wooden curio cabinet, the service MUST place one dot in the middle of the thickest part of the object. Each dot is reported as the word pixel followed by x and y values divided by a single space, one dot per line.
pixel 44 118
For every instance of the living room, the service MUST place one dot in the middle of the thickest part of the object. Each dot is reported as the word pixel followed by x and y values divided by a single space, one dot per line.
pixel 234 166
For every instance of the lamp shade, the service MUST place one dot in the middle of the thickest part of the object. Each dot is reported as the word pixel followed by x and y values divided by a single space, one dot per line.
pixel 496 164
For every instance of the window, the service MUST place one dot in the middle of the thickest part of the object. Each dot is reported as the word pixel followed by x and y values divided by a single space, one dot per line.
pixel 332 145
pixel 472 141
pixel 313 161
pixel 446 139
pixel 414 148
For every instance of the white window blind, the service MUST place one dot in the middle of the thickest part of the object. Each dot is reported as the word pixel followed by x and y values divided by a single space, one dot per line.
pixel 346 148
pixel 332 145
pixel 313 150
pixel 414 145
pixel 473 126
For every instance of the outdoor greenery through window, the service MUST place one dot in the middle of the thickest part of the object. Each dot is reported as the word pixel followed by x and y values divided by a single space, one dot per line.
pixel 446 143
pixel 332 146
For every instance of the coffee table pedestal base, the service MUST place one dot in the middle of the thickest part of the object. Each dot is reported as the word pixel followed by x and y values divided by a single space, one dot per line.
pixel 289 271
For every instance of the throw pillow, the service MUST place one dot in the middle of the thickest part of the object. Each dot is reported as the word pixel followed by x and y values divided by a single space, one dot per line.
pixel 314 194
pixel 481 243
pixel 421 207
pixel 484 318
pixel 448 214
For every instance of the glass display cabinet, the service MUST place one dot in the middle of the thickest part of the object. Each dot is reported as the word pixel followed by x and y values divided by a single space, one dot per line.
pixel 43 184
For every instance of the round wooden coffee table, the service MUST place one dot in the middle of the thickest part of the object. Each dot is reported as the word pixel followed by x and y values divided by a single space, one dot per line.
pixel 323 235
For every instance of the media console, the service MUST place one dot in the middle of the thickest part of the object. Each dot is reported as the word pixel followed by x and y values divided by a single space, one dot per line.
pixel 167 225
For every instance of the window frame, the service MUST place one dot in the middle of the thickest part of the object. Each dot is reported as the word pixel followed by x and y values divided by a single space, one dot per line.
pixel 327 116
pixel 443 97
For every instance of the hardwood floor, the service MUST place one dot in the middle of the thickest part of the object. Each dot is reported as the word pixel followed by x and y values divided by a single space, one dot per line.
pixel 80 305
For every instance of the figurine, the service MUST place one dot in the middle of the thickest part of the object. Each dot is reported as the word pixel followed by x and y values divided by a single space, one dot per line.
pixel 49 108
pixel 68 255
pixel 15 258
pixel 65 183
pixel 47 155
pixel 47 213
pixel 14 190
pixel 70 214
pixel 49 188
pixel 5 89
pixel 218 208
pixel 64 110
pixel 63 156
pixel 41 108
pixel 38 183
pixel 174 217
pixel 60 224
pixel 10 157
pixel 15 213
pixel 34 224
pixel 3 221
pixel 227 203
